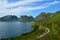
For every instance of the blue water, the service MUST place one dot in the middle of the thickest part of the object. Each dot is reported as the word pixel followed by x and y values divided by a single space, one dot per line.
pixel 12 29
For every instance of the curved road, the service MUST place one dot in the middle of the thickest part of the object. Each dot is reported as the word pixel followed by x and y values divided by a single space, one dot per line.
pixel 44 33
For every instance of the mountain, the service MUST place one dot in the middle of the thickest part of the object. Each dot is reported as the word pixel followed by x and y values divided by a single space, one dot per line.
pixel 52 22
pixel 9 18
pixel 43 17
pixel 25 18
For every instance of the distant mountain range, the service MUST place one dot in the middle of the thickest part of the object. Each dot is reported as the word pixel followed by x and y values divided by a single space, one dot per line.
pixel 15 18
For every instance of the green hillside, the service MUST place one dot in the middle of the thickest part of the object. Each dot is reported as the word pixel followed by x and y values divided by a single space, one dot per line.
pixel 55 18
pixel 43 17
pixel 54 25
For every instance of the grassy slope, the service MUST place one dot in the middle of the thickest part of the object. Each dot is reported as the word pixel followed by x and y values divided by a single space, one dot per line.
pixel 54 25
pixel 55 18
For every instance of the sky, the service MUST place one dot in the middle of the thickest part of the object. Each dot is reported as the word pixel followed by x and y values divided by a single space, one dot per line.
pixel 28 7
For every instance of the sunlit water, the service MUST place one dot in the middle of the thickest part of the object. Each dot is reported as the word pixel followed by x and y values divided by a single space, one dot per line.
pixel 12 29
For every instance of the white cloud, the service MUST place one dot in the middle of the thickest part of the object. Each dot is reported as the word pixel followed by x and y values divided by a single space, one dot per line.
pixel 19 3
pixel 4 5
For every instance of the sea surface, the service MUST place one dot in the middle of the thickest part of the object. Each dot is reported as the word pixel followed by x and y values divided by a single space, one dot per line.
pixel 12 29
